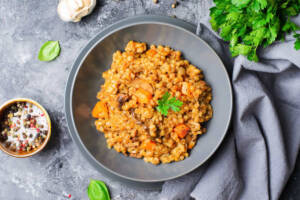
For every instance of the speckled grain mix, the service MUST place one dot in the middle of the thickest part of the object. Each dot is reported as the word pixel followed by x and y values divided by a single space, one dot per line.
pixel 127 114
pixel 23 127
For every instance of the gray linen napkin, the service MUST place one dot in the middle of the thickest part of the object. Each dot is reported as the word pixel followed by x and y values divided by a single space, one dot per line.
pixel 259 152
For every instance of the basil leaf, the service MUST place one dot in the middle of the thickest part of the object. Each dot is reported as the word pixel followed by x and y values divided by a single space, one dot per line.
pixel 49 51
pixel 97 190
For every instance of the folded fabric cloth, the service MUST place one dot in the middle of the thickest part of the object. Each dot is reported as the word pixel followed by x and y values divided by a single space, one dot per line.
pixel 260 150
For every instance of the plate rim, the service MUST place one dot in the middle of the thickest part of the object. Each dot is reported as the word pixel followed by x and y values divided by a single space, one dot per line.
pixel 84 52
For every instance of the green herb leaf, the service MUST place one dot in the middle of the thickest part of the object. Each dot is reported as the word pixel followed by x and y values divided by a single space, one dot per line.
pixel 165 103
pixel 263 3
pixel 284 5
pixel 240 3
pixel 291 11
pixel 49 51
pixel 241 49
pixel 290 26
pixel 97 190
pixel 297 43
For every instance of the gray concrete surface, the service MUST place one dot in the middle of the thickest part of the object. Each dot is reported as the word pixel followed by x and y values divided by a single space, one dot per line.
pixel 60 169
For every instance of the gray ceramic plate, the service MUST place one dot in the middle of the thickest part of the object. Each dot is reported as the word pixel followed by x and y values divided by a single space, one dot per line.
pixel 85 80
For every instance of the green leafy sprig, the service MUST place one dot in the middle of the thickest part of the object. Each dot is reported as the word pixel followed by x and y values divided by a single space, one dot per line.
pixel 249 24
pixel 165 103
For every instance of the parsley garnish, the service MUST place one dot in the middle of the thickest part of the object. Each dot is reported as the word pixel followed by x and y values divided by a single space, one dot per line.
pixel 165 103
pixel 249 24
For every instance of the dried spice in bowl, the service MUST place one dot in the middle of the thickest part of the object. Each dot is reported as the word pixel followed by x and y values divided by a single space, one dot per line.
pixel 23 127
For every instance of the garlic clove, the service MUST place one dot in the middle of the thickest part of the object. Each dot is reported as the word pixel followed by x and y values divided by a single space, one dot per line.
pixel 74 10
pixel 63 11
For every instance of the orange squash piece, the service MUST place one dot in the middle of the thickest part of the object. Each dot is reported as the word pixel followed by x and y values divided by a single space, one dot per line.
pixel 143 95
pixel 181 130
pixel 150 145
pixel 151 52
pixel 100 107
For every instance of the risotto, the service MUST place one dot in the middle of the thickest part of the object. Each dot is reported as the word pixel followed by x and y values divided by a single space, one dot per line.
pixel 142 83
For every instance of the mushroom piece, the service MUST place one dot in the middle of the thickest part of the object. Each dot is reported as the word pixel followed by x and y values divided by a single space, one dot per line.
pixel 141 83
pixel 122 98
pixel 133 115
pixel 74 10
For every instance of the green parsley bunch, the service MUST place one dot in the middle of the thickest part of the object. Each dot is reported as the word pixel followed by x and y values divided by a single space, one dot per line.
pixel 249 24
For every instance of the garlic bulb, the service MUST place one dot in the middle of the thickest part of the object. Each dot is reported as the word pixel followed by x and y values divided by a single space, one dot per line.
pixel 74 10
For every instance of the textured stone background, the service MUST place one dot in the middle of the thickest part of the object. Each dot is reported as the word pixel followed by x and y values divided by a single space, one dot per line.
pixel 60 169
